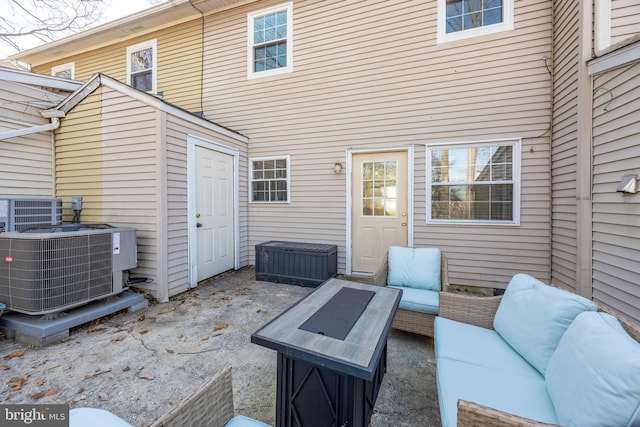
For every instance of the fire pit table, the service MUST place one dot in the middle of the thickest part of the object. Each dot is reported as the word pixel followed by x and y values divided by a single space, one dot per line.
pixel 332 348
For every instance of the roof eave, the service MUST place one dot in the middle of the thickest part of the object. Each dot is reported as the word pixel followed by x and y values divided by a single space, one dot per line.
pixel 155 18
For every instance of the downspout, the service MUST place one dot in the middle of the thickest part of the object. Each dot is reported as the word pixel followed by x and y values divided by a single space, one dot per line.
pixel 201 58
pixel 55 124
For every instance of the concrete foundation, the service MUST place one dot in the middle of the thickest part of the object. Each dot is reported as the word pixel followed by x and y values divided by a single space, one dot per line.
pixel 40 331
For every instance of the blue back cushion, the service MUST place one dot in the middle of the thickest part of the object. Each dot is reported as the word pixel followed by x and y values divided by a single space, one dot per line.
pixel 532 317
pixel 593 377
pixel 417 268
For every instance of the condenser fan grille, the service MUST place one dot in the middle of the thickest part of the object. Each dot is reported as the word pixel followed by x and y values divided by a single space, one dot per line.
pixel 47 275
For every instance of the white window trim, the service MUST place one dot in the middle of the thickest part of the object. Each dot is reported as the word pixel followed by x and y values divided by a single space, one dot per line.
pixel 262 202
pixel 250 51
pixel 68 66
pixel 517 179
pixel 443 37
pixel 153 44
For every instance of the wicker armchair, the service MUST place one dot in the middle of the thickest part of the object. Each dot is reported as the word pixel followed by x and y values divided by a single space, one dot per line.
pixel 413 321
pixel 480 311
pixel 209 406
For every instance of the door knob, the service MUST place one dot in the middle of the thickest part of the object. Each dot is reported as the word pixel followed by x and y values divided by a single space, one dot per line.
pixel 403 223
pixel 198 225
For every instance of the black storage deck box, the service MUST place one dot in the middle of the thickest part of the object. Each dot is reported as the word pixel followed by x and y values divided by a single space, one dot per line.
pixel 304 264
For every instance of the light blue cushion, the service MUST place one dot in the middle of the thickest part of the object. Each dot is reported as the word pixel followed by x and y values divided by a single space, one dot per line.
pixel 417 268
pixel 533 316
pixel 242 421
pixel 94 417
pixel 594 375
pixel 419 300
pixel 472 344
pixel 525 396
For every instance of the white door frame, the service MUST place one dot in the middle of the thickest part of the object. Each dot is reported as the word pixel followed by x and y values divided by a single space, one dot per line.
pixel 409 150
pixel 192 142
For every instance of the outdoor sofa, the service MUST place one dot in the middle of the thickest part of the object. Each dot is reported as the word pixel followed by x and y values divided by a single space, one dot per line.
pixel 421 274
pixel 538 355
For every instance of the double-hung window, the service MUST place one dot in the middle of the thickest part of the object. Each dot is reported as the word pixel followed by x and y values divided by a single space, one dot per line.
pixel 141 66
pixel 474 182
pixel 460 19
pixel 270 179
pixel 66 71
pixel 270 41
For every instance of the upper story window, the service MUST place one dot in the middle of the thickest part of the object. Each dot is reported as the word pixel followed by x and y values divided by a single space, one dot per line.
pixel 141 66
pixel 460 19
pixel 270 41
pixel 270 179
pixel 474 183
pixel 66 71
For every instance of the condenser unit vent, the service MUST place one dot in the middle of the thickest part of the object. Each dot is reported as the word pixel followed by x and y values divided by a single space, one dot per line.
pixel 49 272
pixel 18 214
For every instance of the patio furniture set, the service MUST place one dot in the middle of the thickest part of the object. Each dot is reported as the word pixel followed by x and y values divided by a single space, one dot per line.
pixel 537 355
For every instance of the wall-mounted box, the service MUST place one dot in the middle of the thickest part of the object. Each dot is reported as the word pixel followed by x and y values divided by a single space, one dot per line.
pixel 304 264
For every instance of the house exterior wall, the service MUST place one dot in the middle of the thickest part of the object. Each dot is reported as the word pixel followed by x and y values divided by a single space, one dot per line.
pixel 375 78
pixel 128 161
pixel 616 216
pixel 178 61
pixel 624 20
pixel 26 162
pixel 565 151
pixel 177 262
pixel 107 152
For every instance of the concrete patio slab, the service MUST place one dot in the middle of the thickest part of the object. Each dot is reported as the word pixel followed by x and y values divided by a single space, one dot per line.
pixel 140 365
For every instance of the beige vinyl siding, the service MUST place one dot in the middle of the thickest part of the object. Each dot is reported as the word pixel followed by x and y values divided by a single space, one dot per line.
pixel 616 217
pixel 79 160
pixel 369 75
pixel 179 63
pixel 177 262
pixel 26 163
pixel 106 152
pixel 625 20
pixel 564 146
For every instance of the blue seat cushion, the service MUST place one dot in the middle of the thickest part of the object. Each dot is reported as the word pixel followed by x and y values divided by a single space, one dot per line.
pixel 242 421
pixel 417 268
pixel 95 417
pixel 533 316
pixel 419 300
pixel 473 344
pixel 599 360
pixel 521 395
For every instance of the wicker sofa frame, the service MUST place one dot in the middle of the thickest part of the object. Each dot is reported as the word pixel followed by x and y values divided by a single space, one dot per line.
pixel 413 321
pixel 210 405
pixel 480 311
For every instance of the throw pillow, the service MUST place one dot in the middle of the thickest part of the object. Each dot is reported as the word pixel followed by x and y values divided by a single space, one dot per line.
pixel 532 317
pixel 593 377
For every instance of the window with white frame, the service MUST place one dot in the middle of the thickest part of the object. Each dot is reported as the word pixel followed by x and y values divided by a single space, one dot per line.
pixel 141 66
pixel 270 47
pixel 66 71
pixel 460 19
pixel 270 179
pixel 474 182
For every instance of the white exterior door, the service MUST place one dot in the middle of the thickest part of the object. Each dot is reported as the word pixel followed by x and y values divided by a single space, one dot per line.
pixel 380 207
pixel 214 213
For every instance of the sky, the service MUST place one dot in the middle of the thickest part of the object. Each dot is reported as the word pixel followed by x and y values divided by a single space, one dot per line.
pixel 118 9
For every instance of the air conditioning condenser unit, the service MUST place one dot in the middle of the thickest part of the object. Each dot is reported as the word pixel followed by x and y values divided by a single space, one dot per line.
pixel 51 269
pixel 18 214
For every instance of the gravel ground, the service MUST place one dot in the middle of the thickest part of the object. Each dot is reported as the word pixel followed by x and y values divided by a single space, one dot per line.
pixel 140 365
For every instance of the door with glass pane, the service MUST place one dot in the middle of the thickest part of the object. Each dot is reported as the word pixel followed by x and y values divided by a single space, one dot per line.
pixel 379 215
